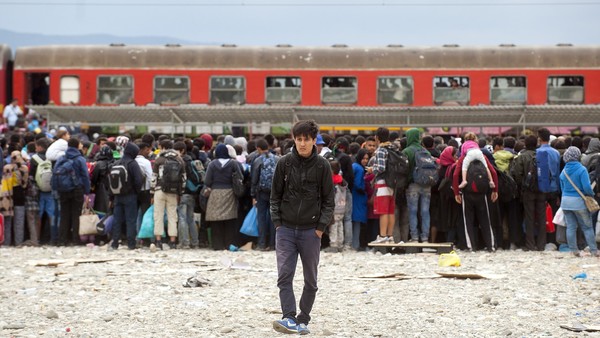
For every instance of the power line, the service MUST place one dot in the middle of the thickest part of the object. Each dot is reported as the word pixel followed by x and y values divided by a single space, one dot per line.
pixel 299 4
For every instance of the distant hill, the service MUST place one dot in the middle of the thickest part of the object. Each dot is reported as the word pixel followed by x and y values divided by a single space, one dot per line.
pixel 15 40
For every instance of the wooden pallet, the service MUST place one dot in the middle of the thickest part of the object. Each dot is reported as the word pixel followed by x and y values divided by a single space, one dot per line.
pixel 413 247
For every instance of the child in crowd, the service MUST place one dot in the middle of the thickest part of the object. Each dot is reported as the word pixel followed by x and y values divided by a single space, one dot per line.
pixel 472 153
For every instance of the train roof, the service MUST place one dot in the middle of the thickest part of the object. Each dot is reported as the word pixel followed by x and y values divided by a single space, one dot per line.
pixel 289 57
pixel 5 55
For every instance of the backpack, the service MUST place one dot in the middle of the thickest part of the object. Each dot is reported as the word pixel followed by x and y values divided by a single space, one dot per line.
pixel 119 182
pixel 170 175
pixel 396 170
pixel 530 179
pixel 507 187
pixel 340 199
pixel 43 174
pixel 195 175
pixel 64 177
pixel 425 171
pixel 267 170
pixel 237 181
pixel 477 178
pixel 329 156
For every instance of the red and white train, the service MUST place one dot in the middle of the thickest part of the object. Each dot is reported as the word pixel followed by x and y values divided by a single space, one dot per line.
pixel 339 77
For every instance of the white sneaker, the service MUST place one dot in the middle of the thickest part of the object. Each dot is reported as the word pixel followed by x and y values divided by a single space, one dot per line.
pixel 380 240
pixel 390 239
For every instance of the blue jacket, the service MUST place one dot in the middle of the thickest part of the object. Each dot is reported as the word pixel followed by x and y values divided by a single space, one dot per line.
pixel 548 160
pixel 80 167
pixel 579 176
pixel 359 195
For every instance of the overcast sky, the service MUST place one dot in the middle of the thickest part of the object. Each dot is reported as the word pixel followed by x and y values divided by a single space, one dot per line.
pixel 354 22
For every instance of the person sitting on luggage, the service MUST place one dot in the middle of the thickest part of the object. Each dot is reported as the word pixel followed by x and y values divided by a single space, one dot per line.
pixel 472 153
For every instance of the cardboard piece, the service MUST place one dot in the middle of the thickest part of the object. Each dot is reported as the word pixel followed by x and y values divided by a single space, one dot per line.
pixel 578 327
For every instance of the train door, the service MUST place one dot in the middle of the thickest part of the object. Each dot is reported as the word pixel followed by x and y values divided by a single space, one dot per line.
pixel 37 88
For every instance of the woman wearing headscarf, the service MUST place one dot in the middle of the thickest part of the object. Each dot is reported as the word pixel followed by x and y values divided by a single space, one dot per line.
pixel 15 176
pixel 99 182
pixel 576 213
pixel 222 205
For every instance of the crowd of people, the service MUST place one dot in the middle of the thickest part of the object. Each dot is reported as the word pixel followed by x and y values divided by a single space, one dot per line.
pixel 387 188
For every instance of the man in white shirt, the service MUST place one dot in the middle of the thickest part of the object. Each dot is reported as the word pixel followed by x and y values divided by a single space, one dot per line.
pixel 144 197
pixel 11 114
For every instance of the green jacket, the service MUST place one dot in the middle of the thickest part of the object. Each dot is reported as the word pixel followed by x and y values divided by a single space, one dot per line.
pixel 413 144
pixel 503 159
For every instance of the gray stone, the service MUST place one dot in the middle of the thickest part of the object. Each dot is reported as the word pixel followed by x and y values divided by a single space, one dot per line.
pixel 51 314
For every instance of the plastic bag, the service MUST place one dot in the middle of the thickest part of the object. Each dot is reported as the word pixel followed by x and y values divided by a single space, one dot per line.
pixel 250 226
pixel 559 218
pixel 449 259
pixel 147 228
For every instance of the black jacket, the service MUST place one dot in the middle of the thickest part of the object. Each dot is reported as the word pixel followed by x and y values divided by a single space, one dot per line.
pixel 133 168
pixel 302 194
pixel 346 167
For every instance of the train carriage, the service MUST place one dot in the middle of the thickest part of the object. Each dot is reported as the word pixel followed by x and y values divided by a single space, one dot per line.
pixel 339 77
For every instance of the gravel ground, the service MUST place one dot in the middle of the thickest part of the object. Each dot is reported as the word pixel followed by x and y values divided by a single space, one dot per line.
pixel 140 294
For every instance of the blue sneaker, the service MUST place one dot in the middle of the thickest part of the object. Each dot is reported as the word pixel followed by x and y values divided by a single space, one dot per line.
pixel 303 329
pixel 286 325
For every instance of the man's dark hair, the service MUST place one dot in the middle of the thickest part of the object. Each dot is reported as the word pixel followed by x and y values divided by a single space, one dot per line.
pixel 509 142
pixel 342 143
pixel 166 144
pixel 482 142
pixel 270 140
pixel 577 142
pixel 427 141
pixel 111 145
pixel 530 142
pixel 585 143
pixel 383 134
pixel 452 142
pixel 148 139
pixel 73 142
pixel 142 145
pixel 403 143
pixel 543 134
pixel 262 144
pixel 519 145
pixel 438 140
pixel 251 146
pixel 43 143
pixel 199 142
pixel 370 138
pixel 163 137
pixel 353 148
pixel 327 139
pixel 497 141
pixel 238 149
pixel 31 147
pixel 359 139
pixel 308 128
pixel 335 166
pixel 394 135
pixel 100 139
pixel 179 146
pixel 560 144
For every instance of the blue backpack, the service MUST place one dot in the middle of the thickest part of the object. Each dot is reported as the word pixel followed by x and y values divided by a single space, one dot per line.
pixel 195 175
pixel 64 176
pixel 425 171
pixel 267 170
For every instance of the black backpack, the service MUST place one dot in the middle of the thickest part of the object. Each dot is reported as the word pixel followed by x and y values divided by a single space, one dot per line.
pixel 477 178
pixel 396 170
pixel 119 181
pixel 507 187
pixel 530 179
pixel 171 180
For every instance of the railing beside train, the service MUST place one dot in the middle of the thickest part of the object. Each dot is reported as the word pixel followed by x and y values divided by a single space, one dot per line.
pixel 261 119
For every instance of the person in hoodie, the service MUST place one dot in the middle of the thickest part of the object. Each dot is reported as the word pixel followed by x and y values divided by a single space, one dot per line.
pixel 359 197
pixel 576 213
pixel 503 155
pixel 125 204
pixel 71 202
pixel 104 160
pixel 590 159
pixel 415 192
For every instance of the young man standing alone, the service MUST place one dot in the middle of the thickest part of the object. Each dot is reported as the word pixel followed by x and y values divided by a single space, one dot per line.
pixel 302 203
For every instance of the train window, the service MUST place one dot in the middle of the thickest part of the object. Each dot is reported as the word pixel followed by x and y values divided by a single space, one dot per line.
pixel 283 90
pixel 508 89
pixel 395 90
pixel 337 89
pixel 451 89
pixel 69 90
pixel 227 90
pixel 172 89
pixel 565 89
pixel 115 89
